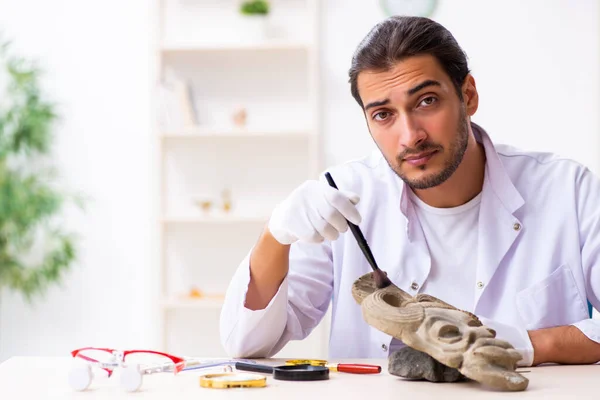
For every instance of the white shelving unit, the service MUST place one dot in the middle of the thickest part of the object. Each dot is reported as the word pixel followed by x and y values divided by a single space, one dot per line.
pixel 268 45
pixel 275 79
pixel 237 134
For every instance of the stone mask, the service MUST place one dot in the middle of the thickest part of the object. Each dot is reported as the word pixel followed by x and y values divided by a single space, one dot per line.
pixel 453 337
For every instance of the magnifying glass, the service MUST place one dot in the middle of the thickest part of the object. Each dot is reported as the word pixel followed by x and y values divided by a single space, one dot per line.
pixel 300 372
pixel 233 380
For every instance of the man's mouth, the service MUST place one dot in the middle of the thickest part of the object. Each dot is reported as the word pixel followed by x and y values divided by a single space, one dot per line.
pixel 420 159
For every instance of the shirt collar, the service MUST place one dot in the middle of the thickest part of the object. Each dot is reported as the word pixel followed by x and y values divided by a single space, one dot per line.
pixel 496 178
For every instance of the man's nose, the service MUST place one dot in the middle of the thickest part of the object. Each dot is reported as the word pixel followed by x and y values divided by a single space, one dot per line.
pixel 411 134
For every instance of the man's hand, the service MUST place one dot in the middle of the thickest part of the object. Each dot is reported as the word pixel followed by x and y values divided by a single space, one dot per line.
pixel 313 212
pixel 563 345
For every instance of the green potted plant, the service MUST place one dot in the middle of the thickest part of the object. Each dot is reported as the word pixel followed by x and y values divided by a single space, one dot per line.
pixel 254 7
pixel 35 249
pixel 254 14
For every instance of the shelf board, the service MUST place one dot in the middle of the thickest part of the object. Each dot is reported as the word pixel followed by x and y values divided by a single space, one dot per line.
pixel 215 133
pixel 192 304
pixel 214 219
pixel 270 45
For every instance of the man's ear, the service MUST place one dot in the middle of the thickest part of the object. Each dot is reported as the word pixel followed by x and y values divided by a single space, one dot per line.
pixel 470 95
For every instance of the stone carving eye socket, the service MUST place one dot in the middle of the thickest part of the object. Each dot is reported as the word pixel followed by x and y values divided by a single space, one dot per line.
pixel 391 299
pixel 449 333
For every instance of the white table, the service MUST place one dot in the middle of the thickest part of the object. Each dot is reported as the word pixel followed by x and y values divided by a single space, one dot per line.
pixel 46 377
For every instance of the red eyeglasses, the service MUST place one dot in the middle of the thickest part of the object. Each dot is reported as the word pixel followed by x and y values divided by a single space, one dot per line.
pixel 134 364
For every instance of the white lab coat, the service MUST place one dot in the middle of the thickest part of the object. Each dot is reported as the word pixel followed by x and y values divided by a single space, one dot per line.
pixel 538 258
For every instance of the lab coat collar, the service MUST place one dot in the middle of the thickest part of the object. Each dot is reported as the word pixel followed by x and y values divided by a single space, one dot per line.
pixel 498 226
pixel 496 179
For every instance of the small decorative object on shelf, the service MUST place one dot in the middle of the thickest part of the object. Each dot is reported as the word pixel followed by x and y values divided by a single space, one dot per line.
pixel 254 19
pixel 196 294
pixel 204 203
pixel 240 117
pixel 226 196
pixel 176 108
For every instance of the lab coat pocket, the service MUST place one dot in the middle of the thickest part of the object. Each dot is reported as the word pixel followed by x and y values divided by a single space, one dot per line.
pixel 553 301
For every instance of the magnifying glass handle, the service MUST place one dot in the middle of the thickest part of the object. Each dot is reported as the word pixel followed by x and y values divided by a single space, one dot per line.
pixel 265 369
pixel 358 368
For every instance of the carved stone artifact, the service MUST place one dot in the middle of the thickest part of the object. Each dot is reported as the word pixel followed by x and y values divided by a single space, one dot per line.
pixel 453 337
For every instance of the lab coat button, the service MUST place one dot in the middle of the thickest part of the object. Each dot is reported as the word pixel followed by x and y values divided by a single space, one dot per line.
pixel 384 347
pixel 414 286
pixel 480 285
pixel 517 226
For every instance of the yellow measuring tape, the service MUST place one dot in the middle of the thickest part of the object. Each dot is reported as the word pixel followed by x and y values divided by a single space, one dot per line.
pixel 232 380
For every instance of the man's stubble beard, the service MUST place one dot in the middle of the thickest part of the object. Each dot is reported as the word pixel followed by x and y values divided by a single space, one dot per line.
pixel 456 151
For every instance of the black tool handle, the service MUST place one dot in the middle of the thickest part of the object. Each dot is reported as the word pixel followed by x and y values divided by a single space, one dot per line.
pixel 242 366
pixel 360 238
pixel 381 279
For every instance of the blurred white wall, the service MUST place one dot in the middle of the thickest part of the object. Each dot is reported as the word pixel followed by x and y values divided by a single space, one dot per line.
pixel 536 64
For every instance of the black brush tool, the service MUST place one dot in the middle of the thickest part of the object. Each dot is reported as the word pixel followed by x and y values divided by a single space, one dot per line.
pixel 381 279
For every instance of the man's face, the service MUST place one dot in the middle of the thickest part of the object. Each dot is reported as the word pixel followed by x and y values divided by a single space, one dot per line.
pixel 416 119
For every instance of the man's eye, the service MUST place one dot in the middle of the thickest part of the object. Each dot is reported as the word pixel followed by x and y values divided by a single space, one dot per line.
pixel 381 116
pixel 428 101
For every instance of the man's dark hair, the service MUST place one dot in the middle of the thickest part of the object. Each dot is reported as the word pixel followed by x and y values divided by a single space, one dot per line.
pixel 399 37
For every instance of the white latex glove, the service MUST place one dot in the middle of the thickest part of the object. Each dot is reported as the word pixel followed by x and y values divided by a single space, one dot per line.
pixel 313 212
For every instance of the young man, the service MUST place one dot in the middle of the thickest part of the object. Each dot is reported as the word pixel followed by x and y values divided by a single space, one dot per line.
pixel 511 236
